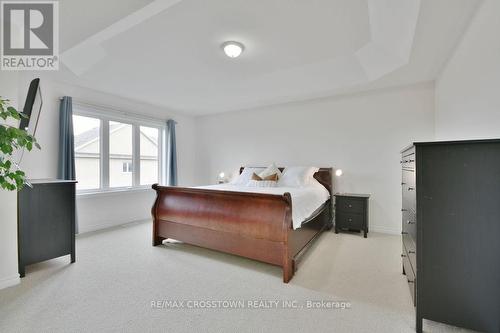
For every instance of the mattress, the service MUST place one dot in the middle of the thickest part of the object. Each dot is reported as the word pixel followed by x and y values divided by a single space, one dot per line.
pixel 305 200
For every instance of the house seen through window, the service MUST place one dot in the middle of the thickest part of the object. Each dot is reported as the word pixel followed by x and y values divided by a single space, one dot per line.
pixel 127 166
pixel 87 133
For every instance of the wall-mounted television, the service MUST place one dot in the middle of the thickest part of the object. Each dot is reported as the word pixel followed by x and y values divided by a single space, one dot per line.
pixel 32 107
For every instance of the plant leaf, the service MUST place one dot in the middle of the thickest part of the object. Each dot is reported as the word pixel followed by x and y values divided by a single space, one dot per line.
pixel 11 138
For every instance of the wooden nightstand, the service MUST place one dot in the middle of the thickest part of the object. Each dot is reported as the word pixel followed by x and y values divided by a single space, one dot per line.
pixel 351 212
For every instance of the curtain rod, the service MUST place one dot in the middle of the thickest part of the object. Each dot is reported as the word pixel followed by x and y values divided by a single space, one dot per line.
pixel 116 110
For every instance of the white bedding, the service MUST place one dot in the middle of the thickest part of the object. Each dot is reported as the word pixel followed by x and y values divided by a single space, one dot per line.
pixel 305 200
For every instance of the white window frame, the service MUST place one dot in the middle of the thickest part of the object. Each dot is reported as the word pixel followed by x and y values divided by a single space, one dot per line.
pixel 105 115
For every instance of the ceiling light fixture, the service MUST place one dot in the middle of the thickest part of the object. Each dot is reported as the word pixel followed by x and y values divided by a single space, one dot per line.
pixel 232 49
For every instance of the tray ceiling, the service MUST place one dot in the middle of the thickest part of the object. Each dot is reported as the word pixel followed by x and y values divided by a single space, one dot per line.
pixel 167 52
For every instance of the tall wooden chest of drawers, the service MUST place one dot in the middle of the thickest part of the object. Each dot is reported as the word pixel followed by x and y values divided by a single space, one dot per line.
pixel 451 231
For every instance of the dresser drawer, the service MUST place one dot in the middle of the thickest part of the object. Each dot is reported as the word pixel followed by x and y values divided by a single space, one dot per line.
pixel 411 256
pixel 409 243
pixel 410 277
pixel 409 222
pixel 349 221
pixel 350 205
pixel 409 196
pixel 408 161
pixel 408 178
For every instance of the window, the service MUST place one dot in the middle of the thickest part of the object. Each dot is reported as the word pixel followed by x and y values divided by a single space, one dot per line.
pixel 149 155
pixel 127 167
pixel 113 151
pixel 87 133
pixel 120 151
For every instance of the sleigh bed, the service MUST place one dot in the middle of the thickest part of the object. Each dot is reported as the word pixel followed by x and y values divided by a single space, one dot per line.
pixel 253 225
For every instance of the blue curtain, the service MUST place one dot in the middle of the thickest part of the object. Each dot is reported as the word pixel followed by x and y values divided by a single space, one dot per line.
pixel 171 154
pixel 66 162
pixel 66 166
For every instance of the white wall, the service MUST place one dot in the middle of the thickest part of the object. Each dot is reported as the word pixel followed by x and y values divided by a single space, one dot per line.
pixel 8 203
pixel 106 210
pixel 468 89
pixel 361 134
pixel 43 164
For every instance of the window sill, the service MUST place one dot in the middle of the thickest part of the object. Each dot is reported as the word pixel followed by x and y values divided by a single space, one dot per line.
pixel 114 191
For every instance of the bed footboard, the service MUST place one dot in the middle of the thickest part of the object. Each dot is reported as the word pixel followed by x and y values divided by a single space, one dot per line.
pixel 251 225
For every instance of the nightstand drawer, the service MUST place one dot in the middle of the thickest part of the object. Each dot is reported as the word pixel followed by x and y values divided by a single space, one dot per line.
pixel 350 205
pixel 349 221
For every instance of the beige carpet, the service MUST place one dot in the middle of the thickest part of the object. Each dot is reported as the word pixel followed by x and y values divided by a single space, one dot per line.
pixel 118 274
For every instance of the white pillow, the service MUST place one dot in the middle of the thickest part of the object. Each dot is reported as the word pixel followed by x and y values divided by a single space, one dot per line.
pixel 297 176
pixel 246 175
pixel 270 170
pixel 261 183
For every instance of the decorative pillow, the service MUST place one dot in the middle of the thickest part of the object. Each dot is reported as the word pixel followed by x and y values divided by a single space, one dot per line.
pixel 297 176
pixel 273 177
pixel 246 175
pixel 261 183
pixel 270 170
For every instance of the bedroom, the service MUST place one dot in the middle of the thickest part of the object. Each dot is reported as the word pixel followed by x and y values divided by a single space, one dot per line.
pixel 339 85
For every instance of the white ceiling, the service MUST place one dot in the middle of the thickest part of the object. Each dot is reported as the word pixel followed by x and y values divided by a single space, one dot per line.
pixel 167 52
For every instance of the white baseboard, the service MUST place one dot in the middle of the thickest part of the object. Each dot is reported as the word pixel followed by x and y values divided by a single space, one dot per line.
pixel 384 230
pixel 9 281
pixel 102 226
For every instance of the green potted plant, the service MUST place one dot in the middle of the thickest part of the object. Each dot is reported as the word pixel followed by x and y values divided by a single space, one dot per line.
pixel 12 139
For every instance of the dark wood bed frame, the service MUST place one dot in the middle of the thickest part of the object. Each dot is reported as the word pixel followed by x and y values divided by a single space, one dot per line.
pixel 252 225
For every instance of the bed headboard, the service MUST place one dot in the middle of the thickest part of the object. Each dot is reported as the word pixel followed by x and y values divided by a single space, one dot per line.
pixel 324 176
